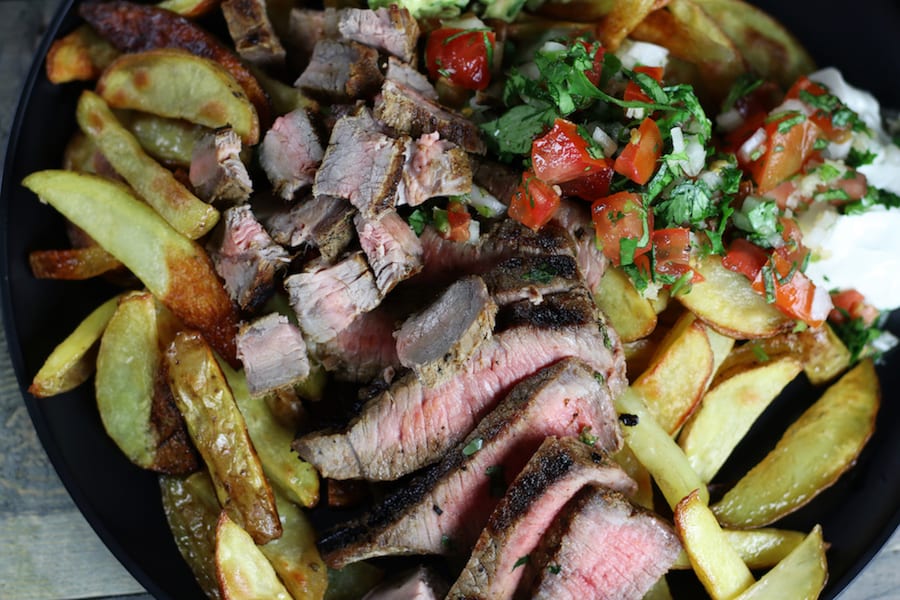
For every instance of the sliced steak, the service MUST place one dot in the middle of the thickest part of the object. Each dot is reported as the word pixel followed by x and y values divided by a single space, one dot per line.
pixel 434 342
pixel 392 248
pixel 499 179
pixel 363 350
pixel 557 471
pixel 247 258
pixel 290 153
pixel 407 75
pixel 420 584
pixel 433 167
pixel 630 549
pixel 306 26
pixel 250 28
pixel 361 164
pixel 391 29
pixel 555 311
pixel 273 353
pixel 217 171
pixel 411 425
pixel 531 278
pixel 453 499
pixel 328 299
pixel 340 71
pixel 322 222
pixel 575 217
pixel 409 112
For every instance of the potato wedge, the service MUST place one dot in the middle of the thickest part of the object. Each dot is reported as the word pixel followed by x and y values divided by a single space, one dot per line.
pixel 826 355
pixel 175 83
pixel 678 374
pixel 630 314
pixel 801 575
pixel 656 450
pixel 814 451
pixel 295 478
pixel 243 571
pixel 189 8
pixel 736 401
pixel 170 141
pixel 192 511
pixel 621 20
pixel 73 360
pixel 184 211
pixel 175 269
pixel 718 566
pixel 759 548
pixel 726 302
pixel 285 98
pixel 79 56
pixel 72 263
pixel 134 402
pixel 220 434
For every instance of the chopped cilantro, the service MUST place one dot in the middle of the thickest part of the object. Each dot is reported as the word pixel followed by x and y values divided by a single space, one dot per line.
pixel 473 447
pixel 554 569
pixel 857 158
pixel 759 352
pixel 742 87
pixel 874 197
pixel 856 335
pixel 688 203
pixel 587 437
pixel 513 132
pixel 523 560
pixel 540 274
pixel 418 219
pixel 759 219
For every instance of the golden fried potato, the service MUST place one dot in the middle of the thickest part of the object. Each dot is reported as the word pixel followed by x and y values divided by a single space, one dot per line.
pixel 801 575
pixel 80 56
pixel 170 141
pixel 189 8
pixel 621 20
pixel 630 314
pixel 243 571
pixel 759 548
pixel 72 263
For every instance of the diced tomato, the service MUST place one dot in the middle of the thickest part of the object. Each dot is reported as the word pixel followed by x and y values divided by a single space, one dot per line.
pixel 794 294
pixel 745 257
pixel 599 51
pixel 735 139
pixel 852 304
pixel 462 56
pixel 593 186
pixel 621 216
pixel 459 219
pixel 534 202
pixel 562 155
pixel 823 120
pixel 673 250
pixel 633 91
pixel 787 148
pixel 637 160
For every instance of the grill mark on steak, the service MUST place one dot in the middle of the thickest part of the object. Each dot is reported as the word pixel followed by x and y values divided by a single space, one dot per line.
pixel 273 353
pixel 554 311
pixel 340 71
pixel 531 278
pixel 411 425
pixel 391 29
pixel 452 500
pixel 601 546
pixel 392 248
pixel 556 472
pixel 290 153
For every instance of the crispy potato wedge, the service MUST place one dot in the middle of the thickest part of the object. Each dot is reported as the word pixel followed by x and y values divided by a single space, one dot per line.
pixel 175 269
pixel 72 263
pixel 80 154
pixel 80 56
pixel 192 511
pixel 189 8
pixel 73 360
pixel 295 478
pixel 243 571
pixel 576 10
pixel 217 427
pixel 726 302
pixel 134 402
pixel 295 556
pixel 621 20
pixel 801 575
pixel 814 451
pixel 677 376
pixel 656 450
pixel 170 141
pixel 630 314
pixel 826 355
pixel 718 566
pixel 175 83
pixel 180 208
pixel 353 581
pixel 736 401
pixel 759 548
pixel 284 98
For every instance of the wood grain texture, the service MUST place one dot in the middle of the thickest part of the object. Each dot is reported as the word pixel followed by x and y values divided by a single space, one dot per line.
pixel 47 549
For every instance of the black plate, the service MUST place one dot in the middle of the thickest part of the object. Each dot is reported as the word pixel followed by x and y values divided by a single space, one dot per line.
pixel 122 502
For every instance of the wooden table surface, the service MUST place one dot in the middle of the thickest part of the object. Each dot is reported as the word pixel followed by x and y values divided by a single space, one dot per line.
pixel 47 549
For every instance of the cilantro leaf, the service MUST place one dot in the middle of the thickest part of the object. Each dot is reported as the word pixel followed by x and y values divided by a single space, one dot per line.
pixel 513 132
pixel 857 158
pixel 688 203
pixel 874 197
pixel 741 87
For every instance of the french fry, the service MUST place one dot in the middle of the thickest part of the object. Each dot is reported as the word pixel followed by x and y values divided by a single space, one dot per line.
pixel 826 355
pixel 801 575
pixel 74 359
pixel 177 84
pixel 629 313
pixel 192 511
pixel 185 212
pixel 736 401
pixel 718 566
pixel 217 427
pixel 80 56
pixel 134 402
pixel 814 451
pixel 72 263
pixel 170 141
pixel 759 548
pixel 621 20
pixel 175 269
pixel 243 571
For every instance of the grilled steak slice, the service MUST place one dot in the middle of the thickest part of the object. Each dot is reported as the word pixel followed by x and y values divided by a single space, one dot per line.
pixel 556 472
pixel 631 548
pixel 391 29
pixel 290 153
pixel 247 258
pixel 411 425
pixel 217 172
pixel 409 112
pixel 420 584
pixel 453 499
pixel 323 222
pixel 273 353
pixel 499 179
pixel 434 167
pixel 407 75
pixel 328 299
pixel 363 350
pixel 434 342
pixel 306 27
pixel 391 246
pixel 340 71
pixel 250 28
pixel 575 218
pixel 554 311
pixel 362 165
pixel 531 277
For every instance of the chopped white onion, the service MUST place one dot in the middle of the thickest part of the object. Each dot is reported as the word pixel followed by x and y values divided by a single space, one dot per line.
pixel 552 47
pixel 485 203
pixel 753 143
pixel 821 304
pixel 633 54
pixel 729 120
pixel 606 142
pixel 474 231
pixel 690 146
